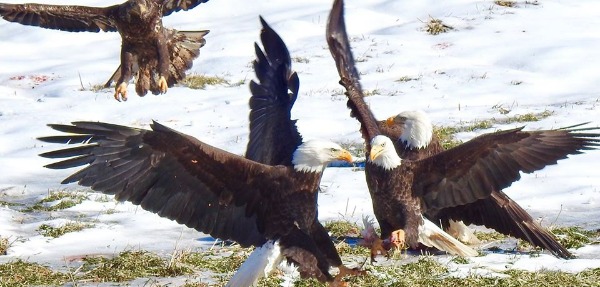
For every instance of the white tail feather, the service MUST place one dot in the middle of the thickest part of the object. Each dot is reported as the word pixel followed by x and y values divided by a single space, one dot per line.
pixel 432 236
pixel 259 264
pixel 460 231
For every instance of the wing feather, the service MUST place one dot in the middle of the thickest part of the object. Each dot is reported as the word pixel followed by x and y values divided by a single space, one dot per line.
pixel 471 171
pixel 61 17
pixel 273 134
pixel 167 172
pixel 171 6
pixel 340 49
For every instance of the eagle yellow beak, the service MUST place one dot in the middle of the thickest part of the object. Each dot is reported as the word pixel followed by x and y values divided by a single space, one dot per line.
pixel 345 156
pixel 390 121
pixel 375 152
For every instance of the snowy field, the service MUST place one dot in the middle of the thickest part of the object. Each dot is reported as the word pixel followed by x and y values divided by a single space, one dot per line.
pixel 497 63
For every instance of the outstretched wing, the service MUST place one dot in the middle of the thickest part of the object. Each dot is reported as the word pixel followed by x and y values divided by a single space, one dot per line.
pixel 60 17
pixel 501 213
pixel 273 134
pixel 173 175
pixel 339 46
pixel 170 6
pixel 493 161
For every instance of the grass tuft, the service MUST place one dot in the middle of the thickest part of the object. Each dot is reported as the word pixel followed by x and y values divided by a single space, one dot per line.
pixel 504 3
pixel 129 265
pixel 575 237
pixel 57 200
pixel 221 260
pixel 4 244
pixel 20 273
pixel 436 26
pixel 340 228
pixel 201 81
pixel 51 231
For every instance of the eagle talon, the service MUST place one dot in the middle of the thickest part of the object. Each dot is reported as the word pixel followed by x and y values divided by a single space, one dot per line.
pixel 345 271
pixel 398 239
pixel 162 84
pixel 377 249
pixel 121 92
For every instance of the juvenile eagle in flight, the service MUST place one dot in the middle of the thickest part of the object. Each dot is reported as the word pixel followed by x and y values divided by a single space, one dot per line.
pixel 158 55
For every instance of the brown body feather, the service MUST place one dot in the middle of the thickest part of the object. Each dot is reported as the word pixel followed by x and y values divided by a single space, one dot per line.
pixel 148 50
pixel 444 183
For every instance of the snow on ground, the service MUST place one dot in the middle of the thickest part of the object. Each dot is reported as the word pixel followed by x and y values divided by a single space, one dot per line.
pixel 529 59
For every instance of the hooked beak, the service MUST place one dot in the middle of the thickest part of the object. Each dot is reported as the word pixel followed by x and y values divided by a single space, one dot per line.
pixel 390 122
pixel 375 152
pixel 345 156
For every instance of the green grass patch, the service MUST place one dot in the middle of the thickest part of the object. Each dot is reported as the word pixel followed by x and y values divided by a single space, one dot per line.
pixel 7 203
pixel 129 265
pixel 575 237
pixel 201 81
pixel 436 26
pixel 57 200
pixel 221 260
pixel 489 236
pixel 20 273
pixel 339 228
pixel 51 231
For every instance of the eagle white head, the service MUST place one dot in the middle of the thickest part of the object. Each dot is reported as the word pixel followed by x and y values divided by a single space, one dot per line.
pixel 383 153
pixel 313 155
pixel 417 128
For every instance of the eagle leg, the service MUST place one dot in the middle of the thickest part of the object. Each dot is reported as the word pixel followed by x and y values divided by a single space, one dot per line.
pixel 377 249
pixel 398 239
pixel 345 271
pixel 121 92
pixel 162 84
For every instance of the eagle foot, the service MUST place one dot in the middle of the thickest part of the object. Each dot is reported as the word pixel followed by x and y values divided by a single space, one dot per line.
pixel 398 239
pixel 162 84
pixel 345 271
pixel 121 92
pixel 377 249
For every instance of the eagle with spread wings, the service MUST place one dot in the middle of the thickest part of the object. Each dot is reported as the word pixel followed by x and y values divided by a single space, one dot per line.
pixel 158 55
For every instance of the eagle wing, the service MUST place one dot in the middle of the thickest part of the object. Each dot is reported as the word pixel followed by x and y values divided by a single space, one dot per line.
pixel 170 6
pixel 471 171
pixel 61 17
pixel 173 175
pixel 340 49
pixel 273 134
pixel 501 213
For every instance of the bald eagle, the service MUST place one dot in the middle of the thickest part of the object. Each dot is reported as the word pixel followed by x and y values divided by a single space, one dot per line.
pixel 271 205
pixel 403 190
pixel 159 56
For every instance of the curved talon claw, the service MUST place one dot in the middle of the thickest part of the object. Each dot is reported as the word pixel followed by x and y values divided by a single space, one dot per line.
pixel 162 85
pixel 398 239
pixel 345 271
pixel 121 92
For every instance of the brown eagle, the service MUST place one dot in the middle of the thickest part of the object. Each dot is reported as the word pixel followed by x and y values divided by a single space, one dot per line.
pixel 227 196
pixel 159 56
pixel 467 177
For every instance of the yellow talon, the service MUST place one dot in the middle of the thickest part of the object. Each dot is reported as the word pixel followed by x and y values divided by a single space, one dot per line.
pixel 162 85
pixel 121 92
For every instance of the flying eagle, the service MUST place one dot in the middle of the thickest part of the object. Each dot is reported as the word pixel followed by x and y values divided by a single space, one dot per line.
pixel 404 190
pixel 158 55
pixel 211 190
pixel 413 136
